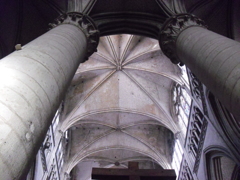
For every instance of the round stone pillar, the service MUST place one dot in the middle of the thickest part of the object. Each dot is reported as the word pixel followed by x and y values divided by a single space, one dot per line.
pixel 213 58
pixel 33 81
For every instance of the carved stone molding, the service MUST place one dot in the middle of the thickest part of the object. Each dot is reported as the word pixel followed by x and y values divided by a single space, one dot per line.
pixel 200 146
pixel 83 22
pixel 185 172
pixel 196 135
pixel 171 30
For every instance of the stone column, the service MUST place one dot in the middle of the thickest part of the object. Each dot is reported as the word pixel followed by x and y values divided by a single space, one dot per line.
pixel 33 81
pixel 213 58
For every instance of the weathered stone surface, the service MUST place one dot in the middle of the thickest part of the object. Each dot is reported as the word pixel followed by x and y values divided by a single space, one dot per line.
pixel 33 82
pixel 120 101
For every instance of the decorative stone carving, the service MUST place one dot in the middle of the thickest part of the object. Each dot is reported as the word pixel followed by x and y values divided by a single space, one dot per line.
pixel 171 30
pixel 196 135
pixel 200 146
pixel 86 24
pixel 196 88
pixel 185 171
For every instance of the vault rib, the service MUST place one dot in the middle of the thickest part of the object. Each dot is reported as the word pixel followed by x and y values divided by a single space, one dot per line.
pixel 131 102
pixel 121 161
pixel 94 122
pixel 110 131
pixel 113 50
pixel 161 74
pixel 104 57
pixel 122 59
pixel 99 158
pixel 144 142
pixel 150 96
pixel 146 122
pixel 136 158
pixel 87 96
pixel 79 157
pixel 96 68
pixel 137 56
pixel 68 123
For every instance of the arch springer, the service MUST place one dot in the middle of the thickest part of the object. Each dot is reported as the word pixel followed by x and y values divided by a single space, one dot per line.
pixel 85 24
pixel 172 28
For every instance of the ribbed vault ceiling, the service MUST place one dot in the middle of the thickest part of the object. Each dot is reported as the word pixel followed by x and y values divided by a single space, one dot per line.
pixel 119 105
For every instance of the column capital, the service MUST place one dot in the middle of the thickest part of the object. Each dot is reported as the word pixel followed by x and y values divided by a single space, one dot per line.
pixel 171 30
pixel 83 22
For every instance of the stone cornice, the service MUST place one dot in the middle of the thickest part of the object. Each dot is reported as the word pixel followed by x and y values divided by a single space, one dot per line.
pixel 86 24
pixel 171 30
pixel 143 24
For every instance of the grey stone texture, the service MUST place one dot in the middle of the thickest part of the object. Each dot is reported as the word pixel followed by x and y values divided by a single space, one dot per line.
pixel 214 59
pixel 33 82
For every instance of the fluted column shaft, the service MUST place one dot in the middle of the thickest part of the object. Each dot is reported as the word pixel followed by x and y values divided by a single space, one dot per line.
pixel 213 58
pixel 33 81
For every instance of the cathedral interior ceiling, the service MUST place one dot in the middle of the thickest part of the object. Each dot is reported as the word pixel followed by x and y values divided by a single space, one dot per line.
pixel 119 107
pixel 109 157
pixel 120 100
pixel 29 19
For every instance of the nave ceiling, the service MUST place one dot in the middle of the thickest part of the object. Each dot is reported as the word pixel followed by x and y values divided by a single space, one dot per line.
pixel 99 108
pixel 119 106
pixel 29 19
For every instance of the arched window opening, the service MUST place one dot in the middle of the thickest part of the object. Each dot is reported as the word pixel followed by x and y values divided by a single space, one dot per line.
pixel 236 173
pixel 229 125
pixel 182 103
pixel 221 112
pixel 220 166
pixel 196 87
pixel 196 135
pixel 184 74
pixel 195 131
